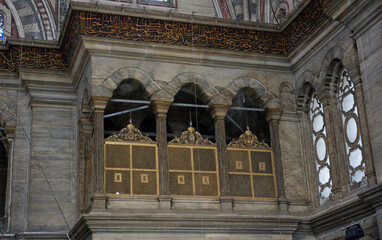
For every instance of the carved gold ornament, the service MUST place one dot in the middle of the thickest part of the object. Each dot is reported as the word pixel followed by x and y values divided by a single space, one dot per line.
pixel 248 140
pixel 191 137
pixel 129 134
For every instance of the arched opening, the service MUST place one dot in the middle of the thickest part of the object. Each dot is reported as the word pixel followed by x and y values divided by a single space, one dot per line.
pixel 189 109
pixel 246 113
pixel 129 105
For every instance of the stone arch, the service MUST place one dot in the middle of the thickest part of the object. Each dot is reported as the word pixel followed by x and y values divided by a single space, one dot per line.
pixel 266 97
pixel 16 17
pixel 333 55
pixel 306 84
pixel 211 94
pixel 337 59
pixel 108 86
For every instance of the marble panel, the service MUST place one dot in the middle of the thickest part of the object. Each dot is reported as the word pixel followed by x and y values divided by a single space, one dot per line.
pixel 292 161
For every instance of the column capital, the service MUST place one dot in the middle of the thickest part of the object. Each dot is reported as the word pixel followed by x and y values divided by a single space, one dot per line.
pixel 99 103
pixel 219 111
pixel 87 125
pixel 273 114
pixel 324 96
pixel 160 108
pixel 10 131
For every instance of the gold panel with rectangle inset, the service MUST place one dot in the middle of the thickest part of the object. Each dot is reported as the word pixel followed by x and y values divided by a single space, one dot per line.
pixel 188 163
pixel 179 158
pixel 144 157
pixel 177 188
pixel 118 156
pixel 204 159
pixel 235 156
pixel 144 183
pixel 136 173
pixel 261 162
pixel 240 185
pixel 121 187
pixel 206 184
pixel 264 186
pixel 251 172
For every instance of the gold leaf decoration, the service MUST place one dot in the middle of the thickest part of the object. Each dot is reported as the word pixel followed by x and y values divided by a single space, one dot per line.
pixel 191 136
pixel 129 134
pixel 248 140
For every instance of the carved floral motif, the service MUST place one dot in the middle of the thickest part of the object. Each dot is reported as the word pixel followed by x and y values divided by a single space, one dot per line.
pixel 248 140
pixel 129 134
pixel 191 137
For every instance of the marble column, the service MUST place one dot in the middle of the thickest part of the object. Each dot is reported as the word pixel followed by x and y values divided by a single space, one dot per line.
pixel 330 125
pixel 160 109
pixel 99 199
pixel 273 117
pixel 219 113
pixel 367 154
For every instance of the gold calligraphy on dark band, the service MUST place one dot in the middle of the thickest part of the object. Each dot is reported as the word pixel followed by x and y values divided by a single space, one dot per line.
pixel 161 31
pixel 167 32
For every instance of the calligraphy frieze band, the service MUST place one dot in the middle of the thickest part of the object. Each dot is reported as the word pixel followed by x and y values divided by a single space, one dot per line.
pixel 140 29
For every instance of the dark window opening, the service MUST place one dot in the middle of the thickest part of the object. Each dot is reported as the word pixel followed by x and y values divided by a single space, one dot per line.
pixel 179 118
pixel 140 115
pixel 238 120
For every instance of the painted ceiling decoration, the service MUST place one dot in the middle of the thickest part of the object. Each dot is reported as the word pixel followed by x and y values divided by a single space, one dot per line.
pixel 112 26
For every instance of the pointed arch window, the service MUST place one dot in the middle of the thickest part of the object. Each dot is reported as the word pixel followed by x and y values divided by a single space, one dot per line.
pixel 352 135
pixel 320 149
pixel 1 27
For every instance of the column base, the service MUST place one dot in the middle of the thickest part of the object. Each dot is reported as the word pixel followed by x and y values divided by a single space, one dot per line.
pixel 165 203
pixel 99 202
pixel 226 204
pixel 283 206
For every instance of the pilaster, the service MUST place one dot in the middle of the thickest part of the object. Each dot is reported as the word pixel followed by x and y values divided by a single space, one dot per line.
pixel 364 128
pixel 86 133
pixel 273 117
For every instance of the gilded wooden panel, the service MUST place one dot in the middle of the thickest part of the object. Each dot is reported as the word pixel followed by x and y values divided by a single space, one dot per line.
pixel 131 168
pixel 251 168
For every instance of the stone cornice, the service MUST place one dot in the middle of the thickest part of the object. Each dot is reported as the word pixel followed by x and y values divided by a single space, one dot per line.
pixel 183 223
pixel 143 29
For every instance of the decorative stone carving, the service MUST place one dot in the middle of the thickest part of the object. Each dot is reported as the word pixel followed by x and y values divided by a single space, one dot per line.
pixel 248 140
pixel 129 134
pixel 191 137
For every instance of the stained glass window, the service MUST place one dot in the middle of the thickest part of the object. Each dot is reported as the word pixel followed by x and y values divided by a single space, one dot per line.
pixel 320 149
pixel 1 27
pixel 353 141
